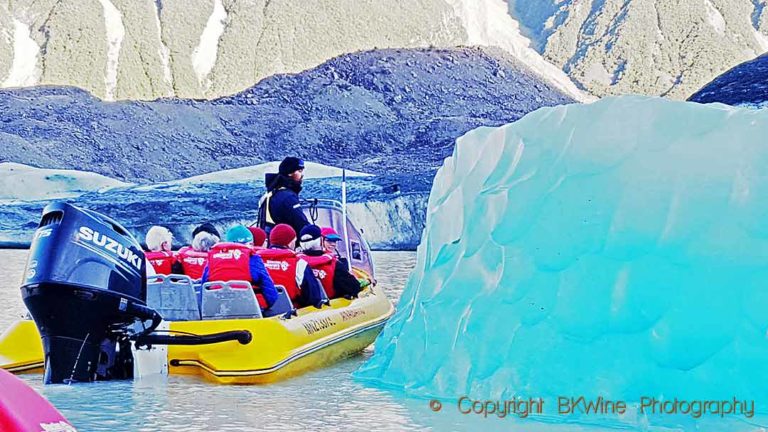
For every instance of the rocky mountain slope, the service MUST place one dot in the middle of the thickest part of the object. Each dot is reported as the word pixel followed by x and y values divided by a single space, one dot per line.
pixel 145 49
pixel 381 112
pixel 655 47
pixel 392 113
pixel 744 85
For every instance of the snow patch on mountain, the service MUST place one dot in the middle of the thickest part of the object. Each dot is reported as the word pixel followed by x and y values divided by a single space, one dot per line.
pixel 113 22
pixel 714 17
pixel 204 55
pixel 24 69
pixel 488 22
pixel 762 40
pixel 163 51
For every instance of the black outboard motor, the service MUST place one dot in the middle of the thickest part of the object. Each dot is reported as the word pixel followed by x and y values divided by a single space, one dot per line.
pixel 85 285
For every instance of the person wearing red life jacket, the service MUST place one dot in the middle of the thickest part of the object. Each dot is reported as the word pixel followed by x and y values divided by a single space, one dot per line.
pixel 159 241
pixel 290 271
pixel 331 270
pixel 330 241
pixel 236 260
pixel 191 260
pixel 259 237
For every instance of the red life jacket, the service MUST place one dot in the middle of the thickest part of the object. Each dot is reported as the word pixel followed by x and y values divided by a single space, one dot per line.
pixel 161 261
pixel 324 267
pixel 281 265
pixel 192 261
pixel 231 261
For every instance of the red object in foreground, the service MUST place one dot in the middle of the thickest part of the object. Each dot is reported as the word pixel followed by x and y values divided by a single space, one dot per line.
pixel 22 409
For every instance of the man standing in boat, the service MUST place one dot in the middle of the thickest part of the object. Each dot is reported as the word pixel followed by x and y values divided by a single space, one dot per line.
pixel 281 203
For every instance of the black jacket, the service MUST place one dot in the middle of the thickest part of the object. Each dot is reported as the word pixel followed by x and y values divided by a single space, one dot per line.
pixel 344 283
pixel 177 268
pixel 284 206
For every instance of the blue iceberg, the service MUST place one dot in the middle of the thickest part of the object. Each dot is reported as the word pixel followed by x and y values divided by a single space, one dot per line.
pixel 617 249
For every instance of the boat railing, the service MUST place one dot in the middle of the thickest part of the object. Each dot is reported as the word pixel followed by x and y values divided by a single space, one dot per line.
pixel 321 202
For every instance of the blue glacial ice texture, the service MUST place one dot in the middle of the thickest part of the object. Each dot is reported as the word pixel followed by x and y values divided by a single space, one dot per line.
pixel 615 249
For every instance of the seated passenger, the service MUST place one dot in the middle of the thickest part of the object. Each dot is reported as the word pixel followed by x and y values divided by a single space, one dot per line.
pixel 191 261
pixel 331 239
pixel 259 237
pixel 329 269
pixel 288 270
pixel 159 241
pixel 235 260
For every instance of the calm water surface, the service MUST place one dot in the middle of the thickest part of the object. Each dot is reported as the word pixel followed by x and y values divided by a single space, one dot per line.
pixel 323 400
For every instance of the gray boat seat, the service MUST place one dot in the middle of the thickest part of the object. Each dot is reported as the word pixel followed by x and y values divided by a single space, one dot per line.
pixel 229 300
pixel 282 305
pixel 173 297
pixel 199 293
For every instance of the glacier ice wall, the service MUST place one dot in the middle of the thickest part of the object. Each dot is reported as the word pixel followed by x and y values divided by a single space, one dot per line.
pixel 615 249
pixel 389 209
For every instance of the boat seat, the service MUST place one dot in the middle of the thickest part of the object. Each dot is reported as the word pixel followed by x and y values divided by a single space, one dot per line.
pixel 282 305
pixel 199 293
pixel 229 300
pixel 173 297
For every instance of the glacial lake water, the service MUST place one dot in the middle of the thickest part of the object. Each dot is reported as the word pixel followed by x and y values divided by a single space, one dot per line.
pixel 323 400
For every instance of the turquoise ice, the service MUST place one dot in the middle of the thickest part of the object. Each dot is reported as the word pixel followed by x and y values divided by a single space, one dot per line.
pixel 616 249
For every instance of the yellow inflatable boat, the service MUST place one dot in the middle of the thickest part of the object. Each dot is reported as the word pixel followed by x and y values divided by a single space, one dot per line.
pixel 283 348
pixel 21 349
pixel 280 347
pixel 98 316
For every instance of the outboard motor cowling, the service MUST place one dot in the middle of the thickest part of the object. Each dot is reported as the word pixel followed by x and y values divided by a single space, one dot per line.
pixel 85 285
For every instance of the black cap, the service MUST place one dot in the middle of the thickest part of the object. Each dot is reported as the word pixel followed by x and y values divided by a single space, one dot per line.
pixel 290 164
pixel 207 227
pixel 309 233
